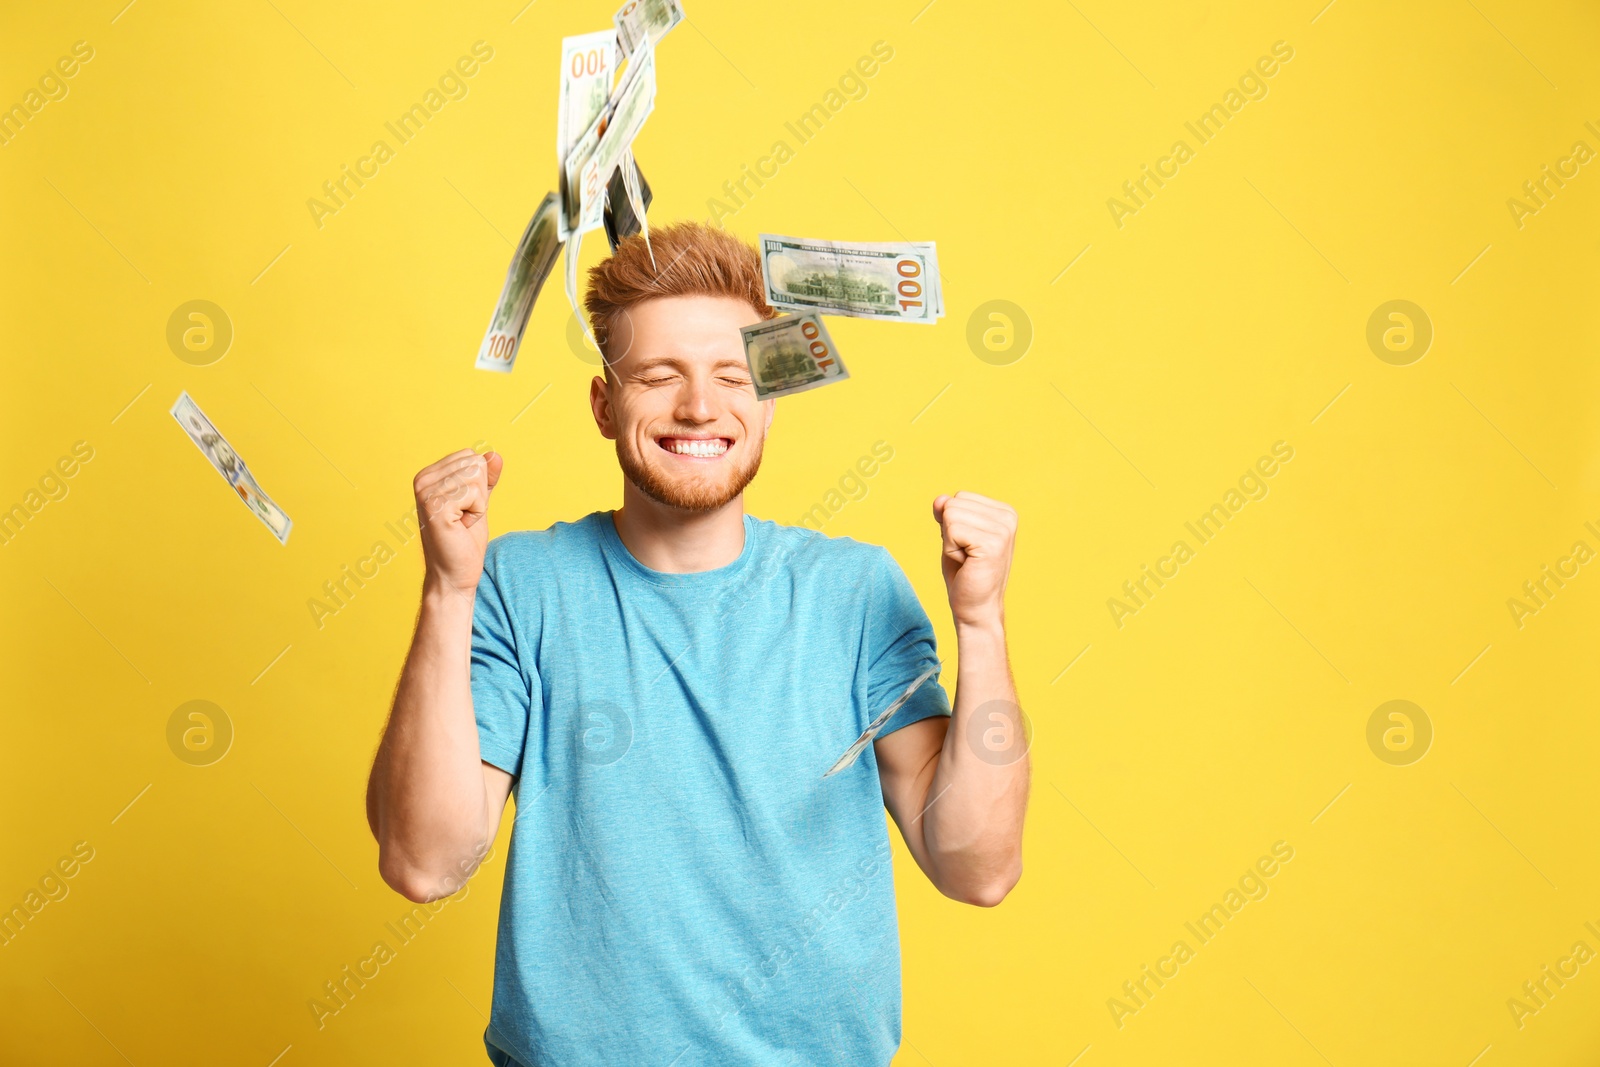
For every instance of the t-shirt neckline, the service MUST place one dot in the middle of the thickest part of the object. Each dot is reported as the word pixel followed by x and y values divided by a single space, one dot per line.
pixel 613 546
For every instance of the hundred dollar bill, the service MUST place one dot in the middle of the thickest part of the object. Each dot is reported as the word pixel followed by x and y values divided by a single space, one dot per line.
pixel 871 732
pixel 530 266
pixel 228 464
pixel 790 355
pixel 588 63
pixel 597 154
pixel 600 148
pixel 894 281
pixel 641 19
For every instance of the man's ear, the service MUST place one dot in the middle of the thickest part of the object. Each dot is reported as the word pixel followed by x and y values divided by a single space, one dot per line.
pixel 772 409
pixel 600 405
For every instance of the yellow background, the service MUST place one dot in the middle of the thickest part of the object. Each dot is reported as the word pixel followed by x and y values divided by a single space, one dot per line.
pixel 1223 317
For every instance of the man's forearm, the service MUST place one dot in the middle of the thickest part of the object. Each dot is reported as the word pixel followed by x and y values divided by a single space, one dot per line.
pixel 972 824
pixel 426 801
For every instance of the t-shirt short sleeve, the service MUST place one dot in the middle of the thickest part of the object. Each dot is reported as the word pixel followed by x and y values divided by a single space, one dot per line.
pixel 503 694
pixel 900 648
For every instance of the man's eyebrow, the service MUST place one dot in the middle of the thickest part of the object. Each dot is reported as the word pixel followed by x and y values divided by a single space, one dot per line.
pixel 656 362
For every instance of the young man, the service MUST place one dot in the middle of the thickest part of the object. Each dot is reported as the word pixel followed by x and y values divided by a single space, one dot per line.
pixel 663 688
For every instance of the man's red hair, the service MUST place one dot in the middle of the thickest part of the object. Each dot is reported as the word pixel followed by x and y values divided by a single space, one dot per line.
pixel 691 259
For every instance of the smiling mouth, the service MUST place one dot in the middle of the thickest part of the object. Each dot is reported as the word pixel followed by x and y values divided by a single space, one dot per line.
pixel 696 447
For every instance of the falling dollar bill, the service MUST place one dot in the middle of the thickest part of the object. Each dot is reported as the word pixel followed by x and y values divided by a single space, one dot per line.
pixel 574 243
pixel 228 464
pixel 632 182
pixel 626 207
pixel 894 281
pixel 876 725
pixel 593 158
pixel 790 355
pixel 530 266
pixel 588 63
pixel 639 20
pixel 600 148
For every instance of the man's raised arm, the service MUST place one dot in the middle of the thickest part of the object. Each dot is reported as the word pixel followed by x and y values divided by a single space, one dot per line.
pixel 433 804
pixel 958 787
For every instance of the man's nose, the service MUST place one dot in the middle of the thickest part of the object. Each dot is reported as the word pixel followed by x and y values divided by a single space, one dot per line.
pixel 695 401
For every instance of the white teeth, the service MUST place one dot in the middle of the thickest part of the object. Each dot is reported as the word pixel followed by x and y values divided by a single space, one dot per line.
pixel 715 447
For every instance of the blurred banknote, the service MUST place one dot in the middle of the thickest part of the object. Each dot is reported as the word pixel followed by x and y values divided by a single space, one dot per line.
pixel 639 19
pixel 894 281
pixel 530 266
pixel 230 466
pixel 596 155
pixel 600 148
pixel 871 732
pixel 588 64
pixel 790 355
pixel 625 211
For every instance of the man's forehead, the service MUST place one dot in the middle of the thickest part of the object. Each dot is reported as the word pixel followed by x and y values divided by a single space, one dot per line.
pixel 684 333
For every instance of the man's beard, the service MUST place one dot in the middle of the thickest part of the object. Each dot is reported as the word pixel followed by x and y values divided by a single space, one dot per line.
pixel 696 496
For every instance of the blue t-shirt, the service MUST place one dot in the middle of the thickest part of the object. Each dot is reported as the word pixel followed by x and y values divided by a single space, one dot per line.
pixel 683 887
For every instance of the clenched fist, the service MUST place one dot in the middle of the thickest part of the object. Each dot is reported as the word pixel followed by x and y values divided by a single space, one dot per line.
pixel 978 534
pixel 453 512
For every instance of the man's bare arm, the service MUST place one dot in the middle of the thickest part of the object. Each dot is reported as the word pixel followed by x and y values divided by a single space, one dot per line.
pixel 958 788
pixel 434 806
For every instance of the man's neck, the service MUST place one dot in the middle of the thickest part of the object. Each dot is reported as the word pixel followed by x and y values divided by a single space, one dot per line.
pixel 676 541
